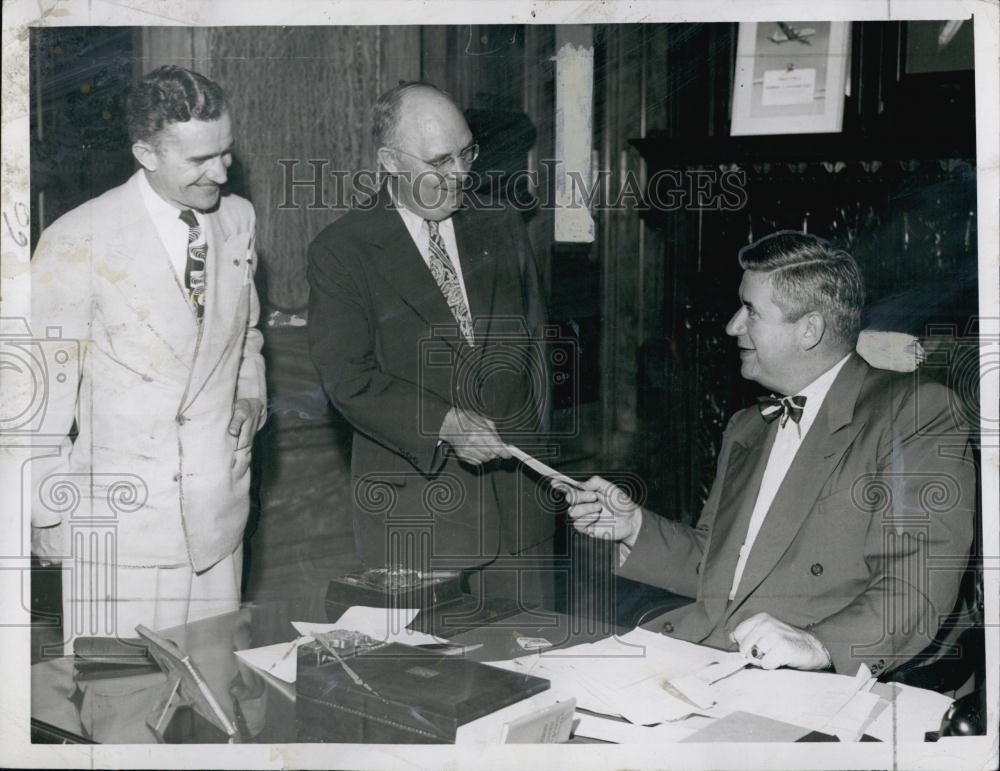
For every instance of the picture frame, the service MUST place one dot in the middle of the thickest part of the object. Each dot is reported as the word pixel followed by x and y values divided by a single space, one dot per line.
pixel 791 77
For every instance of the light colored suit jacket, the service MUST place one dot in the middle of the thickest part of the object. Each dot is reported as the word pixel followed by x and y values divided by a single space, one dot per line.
pixel 865 542
pixel 150 392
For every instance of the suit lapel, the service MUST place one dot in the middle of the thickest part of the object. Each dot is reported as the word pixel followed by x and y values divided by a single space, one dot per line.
pixel 401 266
pixel 747 459
pixel 138 265
pixel 831 434
pixel 228 278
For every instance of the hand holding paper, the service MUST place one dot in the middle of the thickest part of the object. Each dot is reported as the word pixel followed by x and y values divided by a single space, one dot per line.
pixel 473 437
pixel 558 480
pixel 602 509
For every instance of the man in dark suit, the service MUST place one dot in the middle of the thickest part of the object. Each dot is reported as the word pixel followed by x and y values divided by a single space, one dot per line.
pixel 424 318
pixel 837 528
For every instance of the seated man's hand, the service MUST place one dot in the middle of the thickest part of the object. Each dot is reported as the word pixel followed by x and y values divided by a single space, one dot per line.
pixel 772 643
pixel 603 510
pixel 474 438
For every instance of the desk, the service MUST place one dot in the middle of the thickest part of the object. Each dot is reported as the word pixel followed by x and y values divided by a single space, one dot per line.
pixel 266 706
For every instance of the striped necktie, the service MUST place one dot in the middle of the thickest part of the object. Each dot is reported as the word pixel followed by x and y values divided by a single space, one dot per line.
pixel 446 277
pixel 772 407
pixel 194 270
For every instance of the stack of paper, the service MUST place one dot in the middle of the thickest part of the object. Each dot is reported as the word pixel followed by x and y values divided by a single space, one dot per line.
pixel 809 699
pixel 632 676
pixel 649 679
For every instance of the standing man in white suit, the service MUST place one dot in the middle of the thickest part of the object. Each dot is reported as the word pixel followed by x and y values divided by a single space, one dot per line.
pixel 143 495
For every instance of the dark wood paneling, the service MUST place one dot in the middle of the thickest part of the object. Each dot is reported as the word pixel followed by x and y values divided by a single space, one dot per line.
pixel 296 93
pixel 901 199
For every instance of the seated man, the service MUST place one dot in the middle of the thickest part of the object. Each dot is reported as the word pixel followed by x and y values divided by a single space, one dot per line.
pixel 830 535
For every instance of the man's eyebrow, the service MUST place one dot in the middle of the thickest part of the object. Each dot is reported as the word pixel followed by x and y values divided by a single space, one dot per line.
pixel 447 156
pixel 197 158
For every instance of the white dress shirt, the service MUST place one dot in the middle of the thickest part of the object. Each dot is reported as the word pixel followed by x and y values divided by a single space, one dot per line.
pixel 167 219
pixel 421 235
pixel 786 445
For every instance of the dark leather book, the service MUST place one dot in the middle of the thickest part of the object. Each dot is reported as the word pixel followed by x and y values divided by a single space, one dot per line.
pixel 400 694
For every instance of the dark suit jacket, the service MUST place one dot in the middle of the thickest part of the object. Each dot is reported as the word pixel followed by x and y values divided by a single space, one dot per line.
pixel 391 359
pixel 865 542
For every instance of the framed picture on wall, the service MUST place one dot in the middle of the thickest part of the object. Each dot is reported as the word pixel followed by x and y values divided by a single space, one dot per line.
pixel 790 77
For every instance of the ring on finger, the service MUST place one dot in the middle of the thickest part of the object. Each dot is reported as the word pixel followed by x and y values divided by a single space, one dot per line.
pixel 756 652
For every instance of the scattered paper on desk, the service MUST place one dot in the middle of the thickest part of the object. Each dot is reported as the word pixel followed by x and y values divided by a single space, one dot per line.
pixel 533 643
pixel 628 675
pixel 385 624
pixel 550 725
pixel 278 659
pixel 849 723
pixel 912 711
pixel 863 679
pixel 697 686
pixel 747 727
pixel 808 699
pixel 623 732
pixel 380 623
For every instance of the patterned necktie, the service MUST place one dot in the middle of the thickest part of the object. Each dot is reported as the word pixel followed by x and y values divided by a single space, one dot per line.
pixel 447 279
pixel 197 254
pixel 771 408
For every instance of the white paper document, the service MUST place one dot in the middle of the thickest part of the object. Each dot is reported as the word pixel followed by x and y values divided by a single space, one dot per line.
pixel 697 686
pixel 630 675
pixel 278 659
pixel 387 625
pixel 808 699
pixel 622 732
pixel 541 469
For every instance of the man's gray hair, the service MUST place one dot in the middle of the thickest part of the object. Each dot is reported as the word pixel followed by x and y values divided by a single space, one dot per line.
pixel 807 274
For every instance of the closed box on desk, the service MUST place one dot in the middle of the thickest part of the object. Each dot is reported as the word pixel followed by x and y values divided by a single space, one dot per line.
pixel 416 696
pixel 382 589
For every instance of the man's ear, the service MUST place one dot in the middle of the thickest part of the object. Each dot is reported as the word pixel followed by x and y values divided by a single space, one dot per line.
pixel 812 327
pixel 387 160
pixel 146 154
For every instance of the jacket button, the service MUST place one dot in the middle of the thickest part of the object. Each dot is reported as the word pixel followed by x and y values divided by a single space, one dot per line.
pixel 667 627
pixel 181 420
pixel 177 477
pixel 816 569
pixel 697 569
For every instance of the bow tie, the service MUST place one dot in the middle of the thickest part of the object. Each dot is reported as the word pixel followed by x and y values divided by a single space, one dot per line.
pixel 771 408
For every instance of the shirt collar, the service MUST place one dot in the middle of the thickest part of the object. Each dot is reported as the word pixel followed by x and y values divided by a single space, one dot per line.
pixel 159 209
pixel 816 391
pixel 415 224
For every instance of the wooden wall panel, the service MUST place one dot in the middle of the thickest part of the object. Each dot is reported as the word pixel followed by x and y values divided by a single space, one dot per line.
pixel 297 93
pixel 619 68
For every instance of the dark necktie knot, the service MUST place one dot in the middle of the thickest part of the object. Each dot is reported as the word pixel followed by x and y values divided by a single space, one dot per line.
pixel 773 407
pixel 188 218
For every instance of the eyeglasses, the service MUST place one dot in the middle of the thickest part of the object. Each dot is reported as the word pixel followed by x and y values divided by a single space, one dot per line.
pixel 466 155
